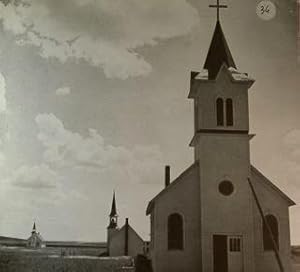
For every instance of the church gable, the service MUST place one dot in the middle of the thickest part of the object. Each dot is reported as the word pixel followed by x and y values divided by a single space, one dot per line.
pixel 121 233
pixel 183 177
pixel 275 208
pixel 260 180
pixel 175 223
pixel 126 241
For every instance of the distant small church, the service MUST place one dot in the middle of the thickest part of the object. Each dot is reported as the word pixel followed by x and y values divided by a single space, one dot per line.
pixel 123 241
pixel 221 214
pixel 35 240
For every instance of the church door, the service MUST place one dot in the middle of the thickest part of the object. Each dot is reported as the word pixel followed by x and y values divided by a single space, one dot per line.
pixel 235 253
pixel 220 253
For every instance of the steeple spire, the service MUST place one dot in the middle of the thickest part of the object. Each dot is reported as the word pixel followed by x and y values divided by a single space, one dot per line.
pixel 33 228
pixel 113 216
pixel 113 211
pixel 218 53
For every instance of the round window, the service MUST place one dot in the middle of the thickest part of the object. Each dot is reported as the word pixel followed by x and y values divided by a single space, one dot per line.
pixel 226 188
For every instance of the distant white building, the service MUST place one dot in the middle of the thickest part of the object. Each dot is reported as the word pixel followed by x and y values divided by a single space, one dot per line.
pixel 35 240
pixel 123 241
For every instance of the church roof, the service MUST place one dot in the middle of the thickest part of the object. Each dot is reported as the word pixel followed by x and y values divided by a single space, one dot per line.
pixel 218 53
pixel 180 178
pixel 113 211
pixel 122 229
pixel 76 244
pixel 166 189
pixel 270 184
pixel 36 235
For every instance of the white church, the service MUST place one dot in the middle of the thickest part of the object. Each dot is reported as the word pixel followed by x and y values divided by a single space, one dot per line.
pixel 221 214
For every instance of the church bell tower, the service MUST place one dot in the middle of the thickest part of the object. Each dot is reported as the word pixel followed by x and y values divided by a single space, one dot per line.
pixel 220 93
pixel 113 216
pixel 221 147
pixel 113 221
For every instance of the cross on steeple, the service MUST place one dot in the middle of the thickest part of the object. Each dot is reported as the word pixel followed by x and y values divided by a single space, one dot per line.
pixel 218 6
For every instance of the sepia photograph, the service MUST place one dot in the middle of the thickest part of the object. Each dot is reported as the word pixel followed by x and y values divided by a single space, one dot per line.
pixel 150 136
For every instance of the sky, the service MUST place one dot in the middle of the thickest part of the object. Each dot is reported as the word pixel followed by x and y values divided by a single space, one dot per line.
pixel 93 98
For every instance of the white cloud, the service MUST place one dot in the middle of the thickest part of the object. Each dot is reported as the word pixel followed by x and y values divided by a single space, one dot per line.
pixel 64 148
pixel 78 173
pixel 35 177
pixel 63 91
pixel 104 33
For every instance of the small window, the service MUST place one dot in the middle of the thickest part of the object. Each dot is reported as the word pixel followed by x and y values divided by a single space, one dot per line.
pixel 235 244
pixel 220 112
pixel 267 238
pixel 175 232
pixel 229 112
pixel 226 188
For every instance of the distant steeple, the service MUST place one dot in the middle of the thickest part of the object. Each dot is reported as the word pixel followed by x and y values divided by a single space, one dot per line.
pixel 33 228
pixel 218 52
pixel 113 211
pixel 113 216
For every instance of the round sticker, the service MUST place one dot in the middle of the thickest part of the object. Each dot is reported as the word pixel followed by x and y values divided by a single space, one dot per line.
pixel 266 10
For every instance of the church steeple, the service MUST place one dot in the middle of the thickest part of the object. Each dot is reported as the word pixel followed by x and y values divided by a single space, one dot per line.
pixel 218 53
pixel 33 228
pixel 113 216
pixel 220 92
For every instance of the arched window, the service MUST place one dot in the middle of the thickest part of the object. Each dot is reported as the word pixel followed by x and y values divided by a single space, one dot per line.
pixel 175 232
pixel 229 112
pixel 220 112
pixel 273 225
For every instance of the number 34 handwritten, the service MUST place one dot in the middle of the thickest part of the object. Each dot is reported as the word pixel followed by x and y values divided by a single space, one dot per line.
pixel 266 10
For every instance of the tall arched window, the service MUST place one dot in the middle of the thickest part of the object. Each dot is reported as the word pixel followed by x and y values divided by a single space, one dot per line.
pixel 229 112
pixel 220 112
pixel 175 232
pixel 273 224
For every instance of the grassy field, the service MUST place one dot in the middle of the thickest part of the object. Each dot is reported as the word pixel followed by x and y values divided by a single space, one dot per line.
pixel 45 260
pixel 24 260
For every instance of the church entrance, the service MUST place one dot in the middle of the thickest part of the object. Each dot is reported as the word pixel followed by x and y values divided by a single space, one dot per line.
pixel 227 253
pixel 220 253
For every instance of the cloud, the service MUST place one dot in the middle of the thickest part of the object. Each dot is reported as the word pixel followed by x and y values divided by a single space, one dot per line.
pixel 77 172
pixel 66 149
pixel 63 91
pixel 104 33
pixel 35 177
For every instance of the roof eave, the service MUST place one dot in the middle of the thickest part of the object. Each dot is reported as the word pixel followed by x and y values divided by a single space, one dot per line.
pixel 281 193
